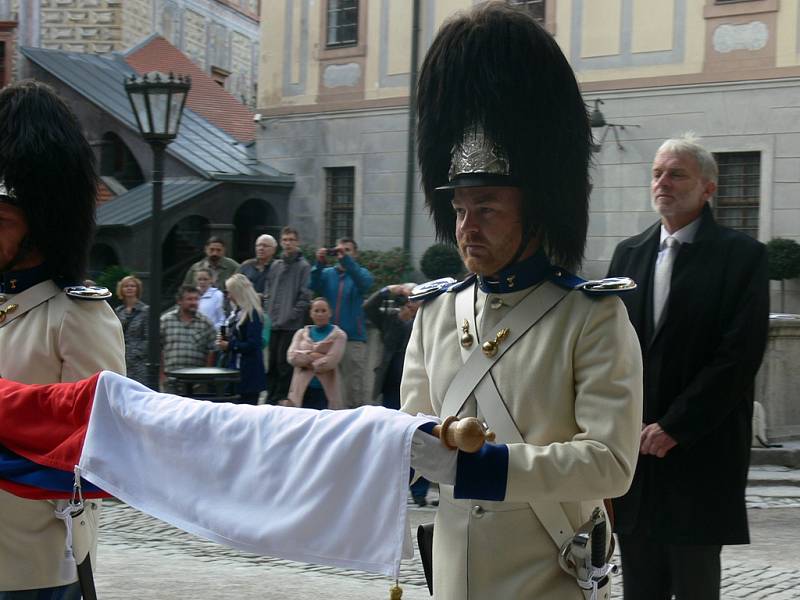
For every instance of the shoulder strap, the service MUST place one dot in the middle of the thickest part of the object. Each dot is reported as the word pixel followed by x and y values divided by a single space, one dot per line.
pixel 15 307
pixel 474 377
pixel 518 321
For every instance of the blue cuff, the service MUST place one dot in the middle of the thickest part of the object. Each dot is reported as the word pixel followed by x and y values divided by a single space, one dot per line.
pixel 428 427
pixel 482 475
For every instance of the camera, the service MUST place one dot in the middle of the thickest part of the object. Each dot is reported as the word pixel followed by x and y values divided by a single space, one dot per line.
pixel 332 252
pixel 223 330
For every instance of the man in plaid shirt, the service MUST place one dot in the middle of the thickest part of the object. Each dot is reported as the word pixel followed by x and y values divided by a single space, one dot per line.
pixel 187 336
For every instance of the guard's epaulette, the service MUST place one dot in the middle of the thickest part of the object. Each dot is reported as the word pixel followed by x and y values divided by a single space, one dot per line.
pixel 427 291
pixel 592 287
pixel 81 292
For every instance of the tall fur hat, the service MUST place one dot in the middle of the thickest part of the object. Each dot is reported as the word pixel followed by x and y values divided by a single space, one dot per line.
pixel 47 168
pixel 495 84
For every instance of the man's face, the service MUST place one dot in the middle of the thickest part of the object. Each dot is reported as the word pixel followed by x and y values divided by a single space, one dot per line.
pixel 188 303
pixel 488 226
pixel 13 228
pixel 349 249
pixel 678 191
pixel 264 250
pixel 289 243
pixel 215 251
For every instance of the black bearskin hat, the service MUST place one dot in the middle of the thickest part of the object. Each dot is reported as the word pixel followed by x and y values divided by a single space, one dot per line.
pixel 47 168
pixel 495 71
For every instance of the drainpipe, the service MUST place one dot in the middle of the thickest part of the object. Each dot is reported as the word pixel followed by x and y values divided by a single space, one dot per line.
pixel 412 124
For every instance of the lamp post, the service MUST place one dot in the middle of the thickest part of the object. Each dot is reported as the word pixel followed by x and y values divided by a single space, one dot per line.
pixel 157 101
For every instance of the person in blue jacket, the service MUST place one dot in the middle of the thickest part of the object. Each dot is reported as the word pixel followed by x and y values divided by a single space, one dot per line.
pixel 344 286
pixel 244 341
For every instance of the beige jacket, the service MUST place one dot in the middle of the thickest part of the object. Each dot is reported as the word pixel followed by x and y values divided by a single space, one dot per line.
pixel 323 368
pixel 573 385
pixel 62 339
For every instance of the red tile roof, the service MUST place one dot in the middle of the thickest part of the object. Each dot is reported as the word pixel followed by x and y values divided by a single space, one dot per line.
pixel 103 193
pixel 206 98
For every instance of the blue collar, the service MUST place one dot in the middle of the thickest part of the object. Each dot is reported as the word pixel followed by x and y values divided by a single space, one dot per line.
pixel 14 282
pixel 519 276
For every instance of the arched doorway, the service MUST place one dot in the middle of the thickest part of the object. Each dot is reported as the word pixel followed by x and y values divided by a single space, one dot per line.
pixel 101 257
pixel 182 246
pixel 253 218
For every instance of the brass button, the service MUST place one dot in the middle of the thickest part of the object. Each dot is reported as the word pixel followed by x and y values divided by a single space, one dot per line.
pixel 477 511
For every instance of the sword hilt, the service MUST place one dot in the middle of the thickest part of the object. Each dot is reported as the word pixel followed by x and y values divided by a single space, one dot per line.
pixel 598 539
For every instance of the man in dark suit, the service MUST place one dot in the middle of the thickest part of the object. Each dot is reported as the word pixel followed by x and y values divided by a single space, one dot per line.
pixel 701 314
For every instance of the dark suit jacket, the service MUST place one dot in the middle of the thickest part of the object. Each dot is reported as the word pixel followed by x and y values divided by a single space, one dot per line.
pixel 699 369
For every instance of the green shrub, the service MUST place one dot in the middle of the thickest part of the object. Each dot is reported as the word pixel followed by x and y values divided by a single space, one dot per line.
pixel 110 276
pixel 441 260
pixel 387 266
pixel 783 257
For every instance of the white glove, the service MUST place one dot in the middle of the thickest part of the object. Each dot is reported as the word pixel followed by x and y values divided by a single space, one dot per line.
pixel 432 460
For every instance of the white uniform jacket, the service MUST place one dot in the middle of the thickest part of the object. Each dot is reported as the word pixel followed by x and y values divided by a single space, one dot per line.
pixel 573 386
pixel 61 339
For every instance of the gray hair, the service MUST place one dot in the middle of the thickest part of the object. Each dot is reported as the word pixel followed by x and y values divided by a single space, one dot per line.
pixel 689 144
pixel 241 291
pixel 268 238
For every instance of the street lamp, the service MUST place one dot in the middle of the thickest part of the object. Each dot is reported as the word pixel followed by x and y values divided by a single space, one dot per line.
pixel 157 101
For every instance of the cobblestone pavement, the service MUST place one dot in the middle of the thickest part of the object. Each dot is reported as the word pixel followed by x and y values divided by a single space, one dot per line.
pixel 141 557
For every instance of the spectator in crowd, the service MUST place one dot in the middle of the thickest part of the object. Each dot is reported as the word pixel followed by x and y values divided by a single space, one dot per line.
pixel 344 286
pixel 287 301
pixel 243 340
pixel 212 301
pixel 701 311
pixel 257 269
pixel 220 266
pixel 187 337
pixel 395 326
pixel 133 314
pixel 315 353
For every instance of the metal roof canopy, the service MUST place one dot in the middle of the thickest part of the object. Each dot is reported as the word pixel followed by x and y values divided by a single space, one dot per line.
pixel 201 145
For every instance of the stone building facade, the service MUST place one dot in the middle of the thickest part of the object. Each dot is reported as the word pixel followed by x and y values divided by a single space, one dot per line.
pixel 219 35
pixel 334 86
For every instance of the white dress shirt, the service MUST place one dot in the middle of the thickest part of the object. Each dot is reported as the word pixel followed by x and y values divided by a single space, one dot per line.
pixel 211 306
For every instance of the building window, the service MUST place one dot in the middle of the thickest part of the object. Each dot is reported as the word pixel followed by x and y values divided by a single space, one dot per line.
pixel 535 7
pixel 342 23
pixel 118 163
pixel 737 199
pixel 339 203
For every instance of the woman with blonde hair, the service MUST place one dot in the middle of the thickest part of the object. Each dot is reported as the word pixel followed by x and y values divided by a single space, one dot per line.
pixel 315 353
pixel 243 339
pixel 133 314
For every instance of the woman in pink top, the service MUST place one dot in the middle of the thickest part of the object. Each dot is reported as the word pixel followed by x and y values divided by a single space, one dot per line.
pixel 314 353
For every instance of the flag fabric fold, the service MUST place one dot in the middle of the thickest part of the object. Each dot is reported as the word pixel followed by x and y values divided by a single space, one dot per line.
pixel 326 487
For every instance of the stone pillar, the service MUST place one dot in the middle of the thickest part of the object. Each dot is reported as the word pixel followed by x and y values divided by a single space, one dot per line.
pixel 778 380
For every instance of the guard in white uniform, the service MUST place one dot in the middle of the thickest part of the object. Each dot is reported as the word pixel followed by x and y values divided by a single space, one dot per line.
pixel 50 330
pixel 550 362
